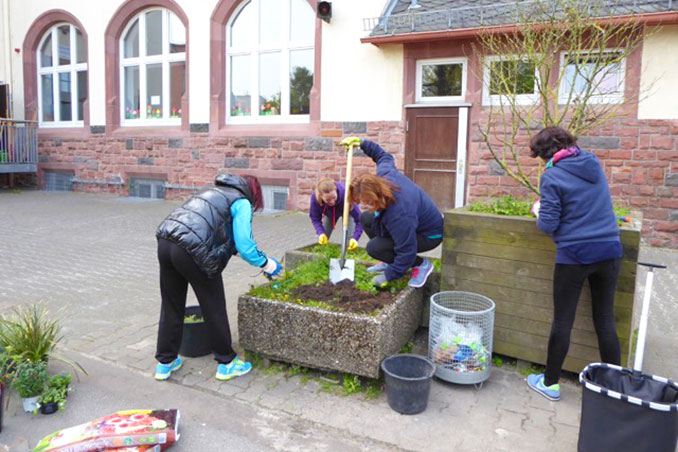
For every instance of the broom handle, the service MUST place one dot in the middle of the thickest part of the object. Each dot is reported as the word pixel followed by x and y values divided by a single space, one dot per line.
pixel 349 164
pixel 642 329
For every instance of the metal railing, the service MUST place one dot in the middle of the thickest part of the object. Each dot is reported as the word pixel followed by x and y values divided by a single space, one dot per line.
pixel 18 146
pixel 499 14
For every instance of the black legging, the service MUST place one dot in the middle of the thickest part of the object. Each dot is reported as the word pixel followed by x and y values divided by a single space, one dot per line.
pixel 383 248
pixel 567 284
pixel 177 270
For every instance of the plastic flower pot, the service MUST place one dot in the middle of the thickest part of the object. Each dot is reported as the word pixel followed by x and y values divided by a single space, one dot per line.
pixel 30 404
pixel 49 408
pixel 408 382
pixel 195 340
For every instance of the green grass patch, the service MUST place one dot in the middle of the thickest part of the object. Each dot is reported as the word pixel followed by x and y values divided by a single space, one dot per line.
pixel 316 272
pixel 407 348
pixel 531 369
pixel 507 205
pixel 333 250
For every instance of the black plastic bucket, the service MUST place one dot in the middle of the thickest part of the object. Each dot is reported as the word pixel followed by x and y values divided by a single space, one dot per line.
pixel 408 382
pixel 195 340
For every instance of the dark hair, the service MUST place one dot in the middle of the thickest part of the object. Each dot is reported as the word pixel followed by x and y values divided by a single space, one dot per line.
pixel 551 140
pixel 257 199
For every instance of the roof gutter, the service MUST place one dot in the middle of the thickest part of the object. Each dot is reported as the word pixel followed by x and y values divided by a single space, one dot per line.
pixel 650 19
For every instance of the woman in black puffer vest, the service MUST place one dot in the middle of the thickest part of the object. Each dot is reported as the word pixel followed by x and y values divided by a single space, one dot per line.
pixel 195 242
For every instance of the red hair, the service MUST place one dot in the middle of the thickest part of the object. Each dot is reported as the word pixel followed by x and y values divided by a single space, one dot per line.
pixel 257 199
pixel 372 189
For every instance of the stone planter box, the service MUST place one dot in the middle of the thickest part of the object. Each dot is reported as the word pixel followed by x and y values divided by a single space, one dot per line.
pixel 298 256
pixel 510 261
pixel 328 340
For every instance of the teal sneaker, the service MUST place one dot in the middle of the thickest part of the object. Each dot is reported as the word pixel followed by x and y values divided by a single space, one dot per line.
pixel 536 382
pixel 420 274
pixel 163 371
pixel 235 368
pixel 378 268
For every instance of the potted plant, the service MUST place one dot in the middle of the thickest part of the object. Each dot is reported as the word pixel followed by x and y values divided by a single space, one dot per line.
pixel 52 400
pixel 61 382
pixel 29 381
pixel 349 327
pixel 195 340
pixel 497 251
pixel 30 334
pixel 6 375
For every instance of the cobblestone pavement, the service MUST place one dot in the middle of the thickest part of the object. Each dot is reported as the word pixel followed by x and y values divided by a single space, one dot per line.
pixel 92 257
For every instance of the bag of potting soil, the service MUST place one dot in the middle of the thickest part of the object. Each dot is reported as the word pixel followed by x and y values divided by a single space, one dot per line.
pixel 131 429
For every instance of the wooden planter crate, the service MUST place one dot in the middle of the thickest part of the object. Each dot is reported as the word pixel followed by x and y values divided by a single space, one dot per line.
pixel 510 261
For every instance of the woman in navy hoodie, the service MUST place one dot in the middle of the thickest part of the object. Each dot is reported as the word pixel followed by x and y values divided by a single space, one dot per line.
pixel 398 216
pixel 576 211
pixel 327 206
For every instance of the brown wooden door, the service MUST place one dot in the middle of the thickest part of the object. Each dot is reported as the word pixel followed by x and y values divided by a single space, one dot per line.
pixel 431 152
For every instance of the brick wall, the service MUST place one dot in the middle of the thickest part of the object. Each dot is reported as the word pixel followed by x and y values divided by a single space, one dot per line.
pixel 640 158
pixel 192 160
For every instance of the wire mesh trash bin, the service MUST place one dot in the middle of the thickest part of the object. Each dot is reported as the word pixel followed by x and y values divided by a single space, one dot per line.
pixel 624 409
pixel 460 336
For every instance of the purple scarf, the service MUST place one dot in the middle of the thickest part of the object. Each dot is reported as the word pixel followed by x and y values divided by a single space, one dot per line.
pixel 562 154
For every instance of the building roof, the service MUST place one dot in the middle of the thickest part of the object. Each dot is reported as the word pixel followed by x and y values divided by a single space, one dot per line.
pixel 419 16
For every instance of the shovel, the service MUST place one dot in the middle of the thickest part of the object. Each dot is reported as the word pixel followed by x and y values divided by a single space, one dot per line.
pixel 341 269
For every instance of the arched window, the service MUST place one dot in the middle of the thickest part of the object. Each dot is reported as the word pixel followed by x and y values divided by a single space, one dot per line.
pixel 62 77
pixel 152 69
pixel 270 61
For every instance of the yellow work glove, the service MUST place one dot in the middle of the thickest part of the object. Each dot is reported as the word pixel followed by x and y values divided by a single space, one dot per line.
pixel 352 244
pixel 322 239
pixel 348 142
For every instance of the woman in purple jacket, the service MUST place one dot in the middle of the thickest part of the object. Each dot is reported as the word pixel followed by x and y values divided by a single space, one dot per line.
pixel 327 206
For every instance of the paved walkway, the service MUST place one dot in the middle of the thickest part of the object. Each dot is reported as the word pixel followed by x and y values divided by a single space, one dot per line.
pixel 92 258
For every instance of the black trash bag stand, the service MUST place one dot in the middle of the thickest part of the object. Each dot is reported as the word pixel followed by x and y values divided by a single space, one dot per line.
pixel 624 409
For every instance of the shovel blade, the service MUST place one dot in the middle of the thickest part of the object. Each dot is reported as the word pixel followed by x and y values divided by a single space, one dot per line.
pixel 339 273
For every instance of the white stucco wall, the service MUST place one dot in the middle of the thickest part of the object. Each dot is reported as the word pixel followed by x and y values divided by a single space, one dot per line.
pixel 4 45
pixel 360 82
pixel 659 75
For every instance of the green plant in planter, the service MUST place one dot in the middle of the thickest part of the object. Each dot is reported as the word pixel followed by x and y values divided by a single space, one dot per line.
pixel 54 395
pixel 30 378
pixel 507 205
pixel 7 366
pixel 61 381
pixel 316 272
pixel 29 334
pixel 193 319
pixel 333 251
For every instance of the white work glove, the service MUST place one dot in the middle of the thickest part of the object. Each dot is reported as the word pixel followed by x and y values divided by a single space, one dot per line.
pixel 272 267
pixel 535 208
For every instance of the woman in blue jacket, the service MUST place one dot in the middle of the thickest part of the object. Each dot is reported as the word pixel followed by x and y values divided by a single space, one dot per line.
pixel 576 211
pixel 195 242
pixel 398 216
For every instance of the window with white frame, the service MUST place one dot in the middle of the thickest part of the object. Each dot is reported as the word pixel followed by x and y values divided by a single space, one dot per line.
pixel 441 80
pixel 152 69
pixel 62 77
pixel 509 80
pixel 270 62
pixel 600 74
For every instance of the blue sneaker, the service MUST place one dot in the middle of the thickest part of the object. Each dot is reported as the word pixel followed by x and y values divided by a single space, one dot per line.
pixel 420 274
pixel 235 368
pixel 536 382
pixel 379 268
pixel 163 371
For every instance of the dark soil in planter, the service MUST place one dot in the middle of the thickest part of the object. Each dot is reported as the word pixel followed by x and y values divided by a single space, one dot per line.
pixel 344 296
